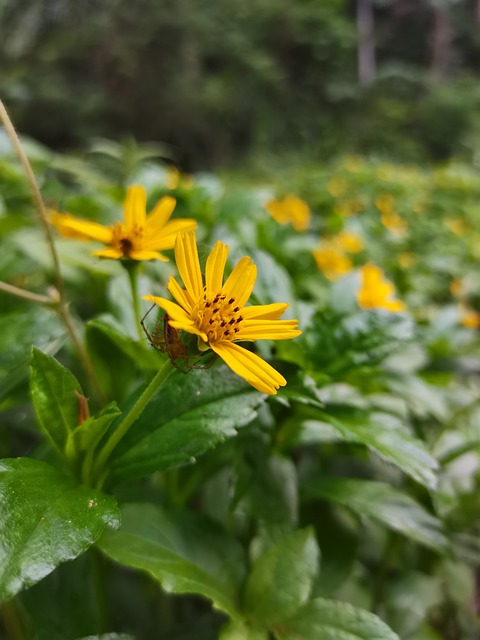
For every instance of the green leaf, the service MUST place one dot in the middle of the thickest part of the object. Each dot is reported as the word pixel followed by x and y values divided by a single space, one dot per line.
pixel 185 552
pixel 332 620
pixel 214 404
pixel 383 503
pixel 242 630
pixel 45 519
pixel 53 392
pixel 380 432
pixel 282 578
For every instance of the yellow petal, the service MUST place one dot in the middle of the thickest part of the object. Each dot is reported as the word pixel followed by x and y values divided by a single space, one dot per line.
pixel 395 305
pixel 265 311
pixel 371 275
pixel 81 228
pixel 135 207
pixel 239 284
pixel 215 267
pixel 181 295
pixel 165 238
pixel 186 256
pixel 268 330
pixel 189 328
pixel 147 255
pixel 116 254
pixel 160 214
pixel 173 310
pixel 250 367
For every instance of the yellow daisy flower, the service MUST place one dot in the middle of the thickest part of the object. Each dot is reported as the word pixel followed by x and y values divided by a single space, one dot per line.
pixel 215 311
pixel 138 237
pixel 470 319
pixel 376 292
pixel 349 241
pixel 331 260
pixel 291 210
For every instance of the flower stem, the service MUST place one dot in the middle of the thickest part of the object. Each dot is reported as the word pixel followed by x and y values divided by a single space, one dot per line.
pixel 130 418
pixel 27 295
pixel 62 305
pixel 132 269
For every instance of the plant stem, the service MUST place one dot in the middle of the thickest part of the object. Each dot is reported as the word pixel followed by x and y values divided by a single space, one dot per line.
pixel 131 417
pixel 389 550
pixel 27 295
pixel 62 305
pixel 132 269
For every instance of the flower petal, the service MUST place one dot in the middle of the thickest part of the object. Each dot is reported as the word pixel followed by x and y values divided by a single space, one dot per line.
pixel 160 214
pixel 135 207
pixel 116 254
pixel 268 330
pixel 250 367
pixel 265 311
pixel 182 296
pixel 143 254
pixel 186 256
pixel 173 310
pixel 165 238
pixel 239 284
pixel 69 226
pixel 215 267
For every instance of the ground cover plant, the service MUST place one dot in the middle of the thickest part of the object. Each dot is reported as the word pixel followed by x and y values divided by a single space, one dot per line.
pixel 234 409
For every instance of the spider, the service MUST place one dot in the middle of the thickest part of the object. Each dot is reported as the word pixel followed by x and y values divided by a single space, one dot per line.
pixel 166 339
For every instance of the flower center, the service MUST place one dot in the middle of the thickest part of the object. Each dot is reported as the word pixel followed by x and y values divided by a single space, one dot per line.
pixel 127 240
pixel 218 317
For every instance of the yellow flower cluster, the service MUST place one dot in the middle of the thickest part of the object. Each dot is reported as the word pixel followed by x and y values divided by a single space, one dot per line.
pixel 385 203
pixel 290 210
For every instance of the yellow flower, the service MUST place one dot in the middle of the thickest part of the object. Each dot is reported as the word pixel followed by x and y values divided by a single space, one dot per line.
pixel 394 223
pixel 138 237
pixel 376 292
pixel 456 226
pixel 406 259
pixel 457 288
pixel 292 210
pixel 331 261
pixel 349 241
pixel 470 319
pixel 215 311
pixel 385 202
pixel 336 186
pixel 348 208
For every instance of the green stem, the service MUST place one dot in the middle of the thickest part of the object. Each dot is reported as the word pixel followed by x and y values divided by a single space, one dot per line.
pixel 132 269
pixel 131 417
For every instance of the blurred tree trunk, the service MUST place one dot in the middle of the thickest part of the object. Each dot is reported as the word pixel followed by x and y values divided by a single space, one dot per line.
pixel 366 42
pixel 442 36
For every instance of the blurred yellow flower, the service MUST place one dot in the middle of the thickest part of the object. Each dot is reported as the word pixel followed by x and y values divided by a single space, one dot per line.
pixel 354 164
pixel 456 226
pixel 385 202
pixel 291 210
pixel 173 178
pixel 470 318
pixel 407 259
pixel 138 237
pixel 337 186
pixel 331 260
pixel 394 223
pixel 349 241
pixel 457 288
pixel 348 208
pixel 376 292
pixel 215 312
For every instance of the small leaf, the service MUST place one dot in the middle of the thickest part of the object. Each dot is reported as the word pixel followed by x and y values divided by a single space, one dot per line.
pixel 382 503
pixel 282 578
pixel 215 403
pixel 45 519
pixel 53 392
pixel 332 620
pixel 183 551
